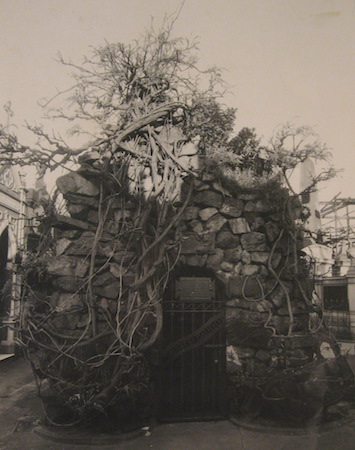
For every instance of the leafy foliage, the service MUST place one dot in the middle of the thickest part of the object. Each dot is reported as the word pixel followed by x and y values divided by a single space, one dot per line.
pixel 292 145
pixel 212 124
pixel 245 163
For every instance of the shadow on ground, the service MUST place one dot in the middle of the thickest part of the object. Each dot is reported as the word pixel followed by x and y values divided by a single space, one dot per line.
pixel 21 414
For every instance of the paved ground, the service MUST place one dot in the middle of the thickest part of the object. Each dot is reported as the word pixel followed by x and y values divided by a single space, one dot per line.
pixel 20 411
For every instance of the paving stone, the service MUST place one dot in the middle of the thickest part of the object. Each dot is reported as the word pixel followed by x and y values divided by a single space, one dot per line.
pixel 112 227
pixel 253 241
pixel 61 245
pixel 124 257
pixel 69 223
pixel 69 234
pixel 81 200
pixel 233 255
pixel 77 211
pixel 263 355
pixel 225 239
pixel 207 213
pixel 232 207
pixel 67 301
pixel 215 223
pixel 191 213
pixel 246 257
pixel 250 207
pixel 84 247
pixel 227 266
pixel 193 244
pixel 74 183
pixel 214 261
pixel 248 286
pixel 67 266
pixel 262 207
pixel 217 186
pixel 103 279
pixel 257 224
pixel 197 227
pixel 247 196
pixel 239 225
pixel 69 283
pixel 209 198
pixel 272 231
pixel 278 295
pixel 196 260
pixel 260 257
pixel 250 269
pixel 110 291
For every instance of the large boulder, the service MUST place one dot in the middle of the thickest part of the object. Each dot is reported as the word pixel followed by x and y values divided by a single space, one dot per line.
pixel 232 207
pixel 209 198
pixel 67 266
pixel 73 183
pixel 215 223
pixel 225 239
pixel 253 242
pixel 239 225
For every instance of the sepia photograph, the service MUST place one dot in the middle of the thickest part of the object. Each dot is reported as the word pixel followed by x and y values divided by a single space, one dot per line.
pixel 177 224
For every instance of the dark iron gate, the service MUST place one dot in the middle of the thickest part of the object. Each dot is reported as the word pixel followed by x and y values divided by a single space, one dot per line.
pixel 193 357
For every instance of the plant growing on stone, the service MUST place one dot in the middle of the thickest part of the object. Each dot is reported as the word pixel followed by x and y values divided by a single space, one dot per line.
pixel 291 146
pixel 154 131
pixel 86 333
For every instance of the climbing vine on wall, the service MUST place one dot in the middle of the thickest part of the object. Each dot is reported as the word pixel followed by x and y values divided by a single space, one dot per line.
pixel 92 294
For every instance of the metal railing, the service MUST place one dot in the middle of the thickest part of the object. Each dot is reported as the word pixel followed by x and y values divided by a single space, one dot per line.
pixel 338 323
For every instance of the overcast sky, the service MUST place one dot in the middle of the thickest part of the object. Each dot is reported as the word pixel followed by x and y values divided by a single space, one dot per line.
pixel 286 60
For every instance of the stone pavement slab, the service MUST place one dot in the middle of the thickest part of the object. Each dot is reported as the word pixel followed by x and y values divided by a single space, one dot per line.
pixel 19 401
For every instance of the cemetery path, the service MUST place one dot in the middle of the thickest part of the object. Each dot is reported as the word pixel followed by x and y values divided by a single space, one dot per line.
pixel 20 413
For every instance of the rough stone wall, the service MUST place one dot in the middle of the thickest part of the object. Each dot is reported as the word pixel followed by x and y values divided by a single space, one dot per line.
pixel 238 238
pixel 235 236
pixel 74 264
pixel 241 237
pixel 252 242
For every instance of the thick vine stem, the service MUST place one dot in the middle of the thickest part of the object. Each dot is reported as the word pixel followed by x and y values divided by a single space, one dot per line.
pixel 143 103
pixel 288 300
pixel 170 226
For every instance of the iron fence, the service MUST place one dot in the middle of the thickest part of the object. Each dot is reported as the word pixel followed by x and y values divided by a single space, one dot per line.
pixel 338 323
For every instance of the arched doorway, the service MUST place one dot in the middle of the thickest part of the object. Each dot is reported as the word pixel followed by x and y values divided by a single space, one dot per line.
pixel 193 348
pixel 5 282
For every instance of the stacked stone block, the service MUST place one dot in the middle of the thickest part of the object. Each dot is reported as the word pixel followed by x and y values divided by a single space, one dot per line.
pixel 240 237
pixel 237 236
pixel 233 235
pixel 76 273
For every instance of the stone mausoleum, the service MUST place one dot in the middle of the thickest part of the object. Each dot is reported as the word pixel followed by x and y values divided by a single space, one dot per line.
pixel 234 329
